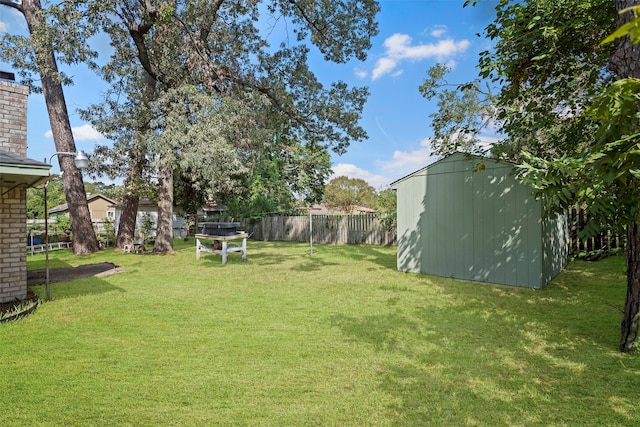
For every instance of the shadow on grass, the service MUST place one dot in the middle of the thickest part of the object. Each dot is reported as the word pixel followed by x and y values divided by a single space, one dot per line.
pixel 275 253
pixel 383 332
pixel 265 253
pixel 68 282
pixel 311 263
pixel 369 253
pixel 479 354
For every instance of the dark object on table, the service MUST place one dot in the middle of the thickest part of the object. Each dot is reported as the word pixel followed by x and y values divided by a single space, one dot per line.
pixel 220 228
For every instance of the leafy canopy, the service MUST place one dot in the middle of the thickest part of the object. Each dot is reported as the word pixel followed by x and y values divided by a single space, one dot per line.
pixel 347 193
pixel 544 69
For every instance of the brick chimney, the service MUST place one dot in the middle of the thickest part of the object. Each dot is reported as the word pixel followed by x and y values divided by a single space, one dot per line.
pixel 13 115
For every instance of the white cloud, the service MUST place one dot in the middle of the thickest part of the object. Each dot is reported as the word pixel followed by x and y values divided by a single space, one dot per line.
pixel 86 132
pixel 451 64
pixel 383 66
pixel 360 73
pixel 81 133
pixel 352 171
pixel 14 18
pixel 439 30
pixel 399 47
pixel 403 163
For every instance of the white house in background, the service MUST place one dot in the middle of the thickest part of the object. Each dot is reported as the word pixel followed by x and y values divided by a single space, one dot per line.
pixel 149 208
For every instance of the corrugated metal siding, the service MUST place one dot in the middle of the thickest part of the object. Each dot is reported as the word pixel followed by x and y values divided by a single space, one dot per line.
pixel 410 193
pixel 556 248
pixel 483 226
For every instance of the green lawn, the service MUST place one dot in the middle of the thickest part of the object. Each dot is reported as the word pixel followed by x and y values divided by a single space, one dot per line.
pixel 339 338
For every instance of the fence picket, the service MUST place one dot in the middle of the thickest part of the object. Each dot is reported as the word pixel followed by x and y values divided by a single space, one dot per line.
pixel 368 229
pixel 327 229
pixel 607 240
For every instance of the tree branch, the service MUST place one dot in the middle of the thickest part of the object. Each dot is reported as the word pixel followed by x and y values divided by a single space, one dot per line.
pixel 312 24
pixel 138 30
pixel 17 6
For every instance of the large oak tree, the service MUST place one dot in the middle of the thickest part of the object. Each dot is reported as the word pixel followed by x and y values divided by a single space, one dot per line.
pixel 348 194
pixel 37 55
pixel 223 49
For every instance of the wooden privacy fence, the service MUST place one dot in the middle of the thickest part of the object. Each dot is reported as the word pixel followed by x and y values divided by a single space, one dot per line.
pixel 327 229
pixel 576 219
pixel 368 229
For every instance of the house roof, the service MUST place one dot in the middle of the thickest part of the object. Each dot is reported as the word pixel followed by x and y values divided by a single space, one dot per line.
pixel 363 210
pixel 90 197
pixel 142 202
pixel 322 209
pixel 213 207
pixel 16 169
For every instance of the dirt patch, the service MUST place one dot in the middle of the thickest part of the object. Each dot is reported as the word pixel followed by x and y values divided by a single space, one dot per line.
pixel 38 277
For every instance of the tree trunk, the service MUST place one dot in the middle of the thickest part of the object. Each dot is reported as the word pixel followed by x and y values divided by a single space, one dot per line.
pixel 127 222
pixel 131 199
pixel 164 230
pixel 625 59
pixel 631 318
pixel 137 162
pixel 625 62
pixel 85 240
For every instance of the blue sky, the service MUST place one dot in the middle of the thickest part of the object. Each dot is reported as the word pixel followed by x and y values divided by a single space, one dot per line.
pixel 414 35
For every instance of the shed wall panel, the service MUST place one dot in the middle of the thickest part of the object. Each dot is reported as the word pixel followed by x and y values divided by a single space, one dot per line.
pixel 411 193
pixel 555 246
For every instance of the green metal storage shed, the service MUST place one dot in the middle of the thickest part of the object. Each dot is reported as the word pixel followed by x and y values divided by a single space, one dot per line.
pixel 458 220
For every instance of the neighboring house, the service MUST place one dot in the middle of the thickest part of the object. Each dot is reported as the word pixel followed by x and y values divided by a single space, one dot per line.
pixel 360 210
pixel 322 209
pixel 212 209
pixel 17 172
pixel 100 207
pixel 458 220
pixel 149 209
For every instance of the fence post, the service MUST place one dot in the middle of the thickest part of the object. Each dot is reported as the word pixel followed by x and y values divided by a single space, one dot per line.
pixel 324 229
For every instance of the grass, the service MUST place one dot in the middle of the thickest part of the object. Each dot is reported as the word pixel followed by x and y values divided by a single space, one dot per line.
pixel 339 338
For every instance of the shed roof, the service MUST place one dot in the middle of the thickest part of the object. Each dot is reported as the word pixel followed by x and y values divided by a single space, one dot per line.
pixel 456 154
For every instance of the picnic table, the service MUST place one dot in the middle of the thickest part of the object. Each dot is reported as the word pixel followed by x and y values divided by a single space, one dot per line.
pixel 225 247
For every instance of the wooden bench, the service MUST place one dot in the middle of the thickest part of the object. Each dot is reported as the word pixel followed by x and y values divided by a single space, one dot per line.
pixel 225 247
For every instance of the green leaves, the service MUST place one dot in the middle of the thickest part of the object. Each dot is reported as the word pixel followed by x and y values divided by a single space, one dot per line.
pixel 604 178
pixel 548 63
pixel 464 111
pixel 631 28
pixel 346 193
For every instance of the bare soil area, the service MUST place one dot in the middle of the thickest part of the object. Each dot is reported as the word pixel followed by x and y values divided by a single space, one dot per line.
pixel 38 277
